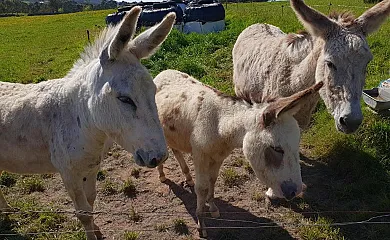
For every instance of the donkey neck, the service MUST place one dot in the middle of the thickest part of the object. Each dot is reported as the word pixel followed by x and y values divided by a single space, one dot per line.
pixel 305 71
pixel 81 92
pixel 235 121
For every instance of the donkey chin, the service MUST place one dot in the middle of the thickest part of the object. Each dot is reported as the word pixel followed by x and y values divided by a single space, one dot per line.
pixel 287 190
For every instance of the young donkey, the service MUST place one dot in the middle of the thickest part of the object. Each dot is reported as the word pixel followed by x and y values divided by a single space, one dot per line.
pixel 61 125
pixel 335 51
pixel 200 120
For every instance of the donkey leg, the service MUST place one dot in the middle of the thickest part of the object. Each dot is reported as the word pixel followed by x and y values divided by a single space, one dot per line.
pixel 90 192
pixel 201 190
pixel 213 175
pixel 160 169
pixel 184 168
pixel 74 185
pixel 4 207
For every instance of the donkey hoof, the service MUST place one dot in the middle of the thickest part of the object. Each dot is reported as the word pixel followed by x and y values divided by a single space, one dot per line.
pixel 215 214
pixel 190 183
pixel 202 233
pixel 163 179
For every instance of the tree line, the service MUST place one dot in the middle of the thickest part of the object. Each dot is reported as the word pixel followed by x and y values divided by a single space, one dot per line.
pixel 14 7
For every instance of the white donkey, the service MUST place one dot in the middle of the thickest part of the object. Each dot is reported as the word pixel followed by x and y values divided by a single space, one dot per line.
pixel 61 125
pixel 202 121
pixel 267 61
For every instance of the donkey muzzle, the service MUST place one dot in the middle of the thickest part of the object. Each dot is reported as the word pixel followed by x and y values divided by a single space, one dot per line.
pixel 149 159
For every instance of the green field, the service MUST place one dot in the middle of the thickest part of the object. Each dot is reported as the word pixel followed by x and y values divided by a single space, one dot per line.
pixel 355 168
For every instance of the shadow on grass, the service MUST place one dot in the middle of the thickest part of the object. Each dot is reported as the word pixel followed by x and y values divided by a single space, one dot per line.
pixel 6 229
pixel 234 222
pixel 348 185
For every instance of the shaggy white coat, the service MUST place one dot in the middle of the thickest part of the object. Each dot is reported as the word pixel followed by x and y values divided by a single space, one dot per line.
pixel 335 50
pixel 200 120
pixel 62 125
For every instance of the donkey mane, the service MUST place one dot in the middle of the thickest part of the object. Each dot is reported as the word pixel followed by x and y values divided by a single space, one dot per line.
pixel 345 19
pixel 221 94
pixel 92 50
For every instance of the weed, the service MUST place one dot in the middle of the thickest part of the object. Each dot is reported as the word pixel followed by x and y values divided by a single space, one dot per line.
pixel 180 227
pixel 7 179
pixel 135 172
pixel 231 178
pixel 248 168
pixel 115 155
pixel 109 187
pixel 238 162
pixel 258 196
pixel 319 229
pixel 161 227
pixel 129 188
pixel 31 184
pixel 47 175
pixel 101 175
pixel 131 235
pixel 134 215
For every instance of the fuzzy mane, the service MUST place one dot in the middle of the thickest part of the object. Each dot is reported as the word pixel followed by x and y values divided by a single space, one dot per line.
pixel 345 19
pixel 92 51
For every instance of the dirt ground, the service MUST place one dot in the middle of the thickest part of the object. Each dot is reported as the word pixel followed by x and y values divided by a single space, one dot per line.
pixel 245 213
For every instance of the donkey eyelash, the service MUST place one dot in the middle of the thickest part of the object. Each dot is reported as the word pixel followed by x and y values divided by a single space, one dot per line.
pixel 127 100
pixel 278 150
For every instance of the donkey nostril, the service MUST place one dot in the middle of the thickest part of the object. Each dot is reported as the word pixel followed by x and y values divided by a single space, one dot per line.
pixel 153 162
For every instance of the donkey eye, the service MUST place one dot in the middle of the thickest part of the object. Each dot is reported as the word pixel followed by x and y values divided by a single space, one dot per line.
pixel 330 65
pixel 127 100
pixel 278 150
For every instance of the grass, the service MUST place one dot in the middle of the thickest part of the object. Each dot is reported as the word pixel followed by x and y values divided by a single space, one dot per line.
pixel 134 215
pixel 258 196
pixel 135 172
pixel 129 188
pixel 131 235
pixel 109 187
pixel 101 175
pixel 161 227
pixel 357 166
pixel 30 184
pixel 180 227
pixel 8 179
pixel 320 229
pixel 231 178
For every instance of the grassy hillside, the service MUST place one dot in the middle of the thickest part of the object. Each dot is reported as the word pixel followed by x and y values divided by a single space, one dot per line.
pixel 347 175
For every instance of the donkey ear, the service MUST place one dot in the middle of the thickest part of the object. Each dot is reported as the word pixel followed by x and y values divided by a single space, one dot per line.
pixel 371 19
pixel 288 105
pixel 315 22
pixel 145 44
pixel 124 34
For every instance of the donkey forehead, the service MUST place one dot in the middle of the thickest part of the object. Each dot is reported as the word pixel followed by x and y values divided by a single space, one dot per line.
pixel 284 131
pixel 132 77
pixel 347 45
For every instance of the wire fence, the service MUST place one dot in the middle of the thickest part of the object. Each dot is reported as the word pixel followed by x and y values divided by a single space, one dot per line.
pixel 375 220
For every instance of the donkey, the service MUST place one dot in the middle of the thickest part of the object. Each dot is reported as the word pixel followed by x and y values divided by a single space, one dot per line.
pixel 200 120
pixel 335 50
pixel 61 125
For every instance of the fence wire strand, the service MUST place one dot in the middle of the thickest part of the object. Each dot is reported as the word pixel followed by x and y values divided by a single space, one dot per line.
pixel 258 225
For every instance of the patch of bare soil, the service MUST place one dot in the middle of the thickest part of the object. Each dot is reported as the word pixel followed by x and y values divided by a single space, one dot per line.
pixel 245 213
